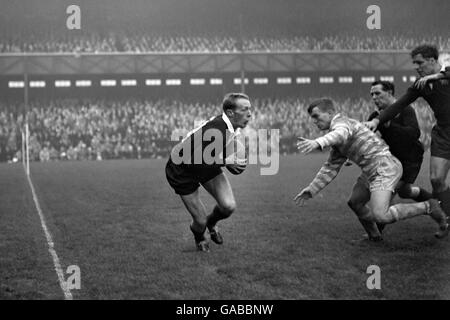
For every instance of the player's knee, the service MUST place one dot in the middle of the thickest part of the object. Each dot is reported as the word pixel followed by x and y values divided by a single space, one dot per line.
pixel 354 205
pixel 381 218
pixel 405 191
pixel 385 216
pixel 351 204
pixel 228 208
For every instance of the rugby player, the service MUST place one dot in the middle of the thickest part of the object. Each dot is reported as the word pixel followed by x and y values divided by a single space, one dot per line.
pixel 434 87
pixel 186 177
pixel 381 171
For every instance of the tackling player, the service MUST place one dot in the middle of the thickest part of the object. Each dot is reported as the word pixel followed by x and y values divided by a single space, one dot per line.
pixel 433 86
pixel 402 136
pixel 186 177
pixel 381 171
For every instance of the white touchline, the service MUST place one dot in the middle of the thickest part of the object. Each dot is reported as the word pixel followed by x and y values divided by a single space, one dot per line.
pixel 51 245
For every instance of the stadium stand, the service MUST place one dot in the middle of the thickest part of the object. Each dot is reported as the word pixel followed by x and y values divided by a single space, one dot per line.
pixel 70 129
pixel 112 26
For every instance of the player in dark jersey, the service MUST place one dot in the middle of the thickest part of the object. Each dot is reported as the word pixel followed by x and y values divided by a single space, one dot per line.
pixel 189 167
pixel 402 136
pixel 434 87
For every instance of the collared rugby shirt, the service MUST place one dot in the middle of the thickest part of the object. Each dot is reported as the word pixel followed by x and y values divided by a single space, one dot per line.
pixel 348 139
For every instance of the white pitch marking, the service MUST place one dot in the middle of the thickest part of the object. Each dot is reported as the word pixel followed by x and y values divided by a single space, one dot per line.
pixel 51 246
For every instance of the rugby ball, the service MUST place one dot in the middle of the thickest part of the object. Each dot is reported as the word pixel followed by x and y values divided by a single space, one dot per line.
pixel 237 161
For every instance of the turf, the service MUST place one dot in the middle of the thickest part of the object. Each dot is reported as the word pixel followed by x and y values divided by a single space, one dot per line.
pixel 120 222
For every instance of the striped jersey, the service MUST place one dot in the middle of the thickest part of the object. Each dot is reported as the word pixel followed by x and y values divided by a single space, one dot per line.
pixel 348 139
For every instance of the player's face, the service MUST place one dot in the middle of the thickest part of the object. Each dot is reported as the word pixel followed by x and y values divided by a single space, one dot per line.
pixel 380 97
pixel 242 114
pixel 321 119
pixel 424 66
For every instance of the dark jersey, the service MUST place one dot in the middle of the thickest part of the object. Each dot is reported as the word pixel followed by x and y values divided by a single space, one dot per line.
pixel 436 93
pixel 402 136
pixel 206 146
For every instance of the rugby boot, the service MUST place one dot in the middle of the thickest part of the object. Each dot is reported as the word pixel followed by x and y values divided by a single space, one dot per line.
pixel 200 240
pixel 438 215
pixel 215 234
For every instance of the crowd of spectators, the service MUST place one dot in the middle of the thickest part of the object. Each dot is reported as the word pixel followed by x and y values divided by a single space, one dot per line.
pixel 102 129
pixel 142 41
pixel 148 43
pixel 219 26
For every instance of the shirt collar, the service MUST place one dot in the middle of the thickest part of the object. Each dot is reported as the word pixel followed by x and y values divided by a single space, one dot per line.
pixel 338 115
pixel 228 122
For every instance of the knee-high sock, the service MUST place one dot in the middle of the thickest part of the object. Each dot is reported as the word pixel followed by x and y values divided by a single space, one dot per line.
pixel 214 217
pixel 198 235
pixel 403 211
pixel 444 198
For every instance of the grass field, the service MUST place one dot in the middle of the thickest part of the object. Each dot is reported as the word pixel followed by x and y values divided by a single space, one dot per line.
pixel 120 222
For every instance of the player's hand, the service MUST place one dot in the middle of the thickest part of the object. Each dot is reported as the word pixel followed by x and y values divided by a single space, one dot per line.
pixel 306 146
pixel 304 195
pixel 372 125
pixel 422 82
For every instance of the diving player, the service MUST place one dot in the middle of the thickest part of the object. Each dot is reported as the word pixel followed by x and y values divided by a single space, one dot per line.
pixel 381 171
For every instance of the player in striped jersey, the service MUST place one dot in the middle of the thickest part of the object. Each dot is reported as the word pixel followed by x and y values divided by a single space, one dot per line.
pixel 381 171
pixel 188 168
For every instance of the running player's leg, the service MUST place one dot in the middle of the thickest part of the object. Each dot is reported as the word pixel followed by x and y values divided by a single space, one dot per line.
pixel 219 187
pixel 382 186
pixel 358 203
pixel 439 168
pixel 440 165
pixel 186 186
pixel 383 213
pixel 197 210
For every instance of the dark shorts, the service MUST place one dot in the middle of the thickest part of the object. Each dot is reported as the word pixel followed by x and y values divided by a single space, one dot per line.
pixel 185 181
pixel 410 171
pixel 440 142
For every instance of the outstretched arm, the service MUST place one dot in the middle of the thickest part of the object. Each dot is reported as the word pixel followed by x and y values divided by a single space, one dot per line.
pixel 422 82
pixel 326 174
pixel 409 129
pixel 388 114
pixel 338 134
